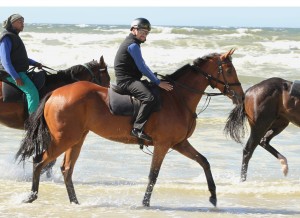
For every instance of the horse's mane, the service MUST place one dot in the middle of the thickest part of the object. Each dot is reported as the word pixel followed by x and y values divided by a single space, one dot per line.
pixel 203 59
pixel 68 74
pixel 189 67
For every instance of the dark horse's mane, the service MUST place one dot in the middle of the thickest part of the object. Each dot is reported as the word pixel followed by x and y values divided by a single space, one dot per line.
pixel 70 73
pixel 188 67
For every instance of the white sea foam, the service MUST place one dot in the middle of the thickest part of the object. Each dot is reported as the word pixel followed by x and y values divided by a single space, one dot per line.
pixel 110 178
pixel 260 52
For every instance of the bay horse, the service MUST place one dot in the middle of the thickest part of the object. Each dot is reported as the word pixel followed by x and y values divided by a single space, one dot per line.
pixel 65 117
pixel 269 107
pixel 14 114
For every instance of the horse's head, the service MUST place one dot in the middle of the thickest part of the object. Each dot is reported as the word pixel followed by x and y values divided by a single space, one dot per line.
pixel 98 72
pixel 222 75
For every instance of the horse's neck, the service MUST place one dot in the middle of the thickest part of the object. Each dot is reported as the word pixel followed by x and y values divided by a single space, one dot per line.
pixel 66 76
pixel 191 91
pixel 59 79
pixel 54 81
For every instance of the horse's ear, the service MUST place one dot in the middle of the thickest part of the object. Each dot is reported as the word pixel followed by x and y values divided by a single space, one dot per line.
pixel 228 54
pixel 101 59
pixel 231 51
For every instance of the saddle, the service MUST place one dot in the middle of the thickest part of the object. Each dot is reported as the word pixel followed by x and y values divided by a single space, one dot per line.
pixel 122 103
pixel 295 89
pixel 11 93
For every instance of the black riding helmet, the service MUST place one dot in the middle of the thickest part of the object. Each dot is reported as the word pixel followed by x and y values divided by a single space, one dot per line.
pixel 141 23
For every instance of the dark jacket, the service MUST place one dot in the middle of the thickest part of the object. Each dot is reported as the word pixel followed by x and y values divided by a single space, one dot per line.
pixel 125 67
pixel 18 55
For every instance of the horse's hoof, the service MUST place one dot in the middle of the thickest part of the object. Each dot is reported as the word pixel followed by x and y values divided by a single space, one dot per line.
pixel 32 197
pixel 213 200
pixel 243 178
pixel 146 203
pixel 284 165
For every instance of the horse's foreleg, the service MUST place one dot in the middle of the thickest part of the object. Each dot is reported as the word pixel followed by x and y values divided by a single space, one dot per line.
pixel 284 164
pixel 67 173
pixel 67 167
pixel 276 128
pixel 189 151
pixel 280 157
pixel 159 154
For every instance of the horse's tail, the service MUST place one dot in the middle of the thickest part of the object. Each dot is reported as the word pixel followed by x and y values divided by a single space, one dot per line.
pixel 37 135
pixel 235 125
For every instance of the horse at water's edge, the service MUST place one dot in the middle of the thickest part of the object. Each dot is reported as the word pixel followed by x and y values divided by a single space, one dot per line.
pixel 13 114
pixel 269 107
pixel 65 117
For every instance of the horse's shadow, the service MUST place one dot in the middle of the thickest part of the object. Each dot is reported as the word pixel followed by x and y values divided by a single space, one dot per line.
pixel 225 210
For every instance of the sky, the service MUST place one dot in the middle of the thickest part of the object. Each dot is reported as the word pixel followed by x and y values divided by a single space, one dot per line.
pixel 227 13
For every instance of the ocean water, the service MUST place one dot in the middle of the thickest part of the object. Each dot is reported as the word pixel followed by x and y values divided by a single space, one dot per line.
pixel 110 178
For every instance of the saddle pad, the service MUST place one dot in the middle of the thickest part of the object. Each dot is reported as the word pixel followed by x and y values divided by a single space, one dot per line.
pixel 11 93
pixel 120 104
pixel 3 75
pixel 124 104
pixel 295 89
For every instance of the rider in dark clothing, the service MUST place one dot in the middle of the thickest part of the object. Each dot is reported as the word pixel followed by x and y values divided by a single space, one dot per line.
pixel 130 67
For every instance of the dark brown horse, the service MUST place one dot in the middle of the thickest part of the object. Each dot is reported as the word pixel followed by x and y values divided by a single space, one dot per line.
pixel 269 107
pixel 65 117
pixel 13 114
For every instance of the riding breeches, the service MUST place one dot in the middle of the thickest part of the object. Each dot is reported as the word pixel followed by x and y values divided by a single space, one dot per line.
pixel 31 92
pixel 147 99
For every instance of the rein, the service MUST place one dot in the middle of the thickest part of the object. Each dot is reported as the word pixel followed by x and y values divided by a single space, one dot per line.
pixel 210 78
pixel 49 68
pixel 43 68
pixel 94 79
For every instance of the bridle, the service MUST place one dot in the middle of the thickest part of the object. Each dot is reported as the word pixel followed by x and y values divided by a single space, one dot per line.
pixel 226 91
pixel 94 79
pixel 210 78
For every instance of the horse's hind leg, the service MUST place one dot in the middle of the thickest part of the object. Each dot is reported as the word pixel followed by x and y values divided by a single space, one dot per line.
pixel 248 150
pixel 48 169
pixel 277 127
pixel 159 154
pixel 189 151
pixel 70 158
pixel 38 165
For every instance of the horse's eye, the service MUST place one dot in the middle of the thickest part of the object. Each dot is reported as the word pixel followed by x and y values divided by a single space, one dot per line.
pixel 229 70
